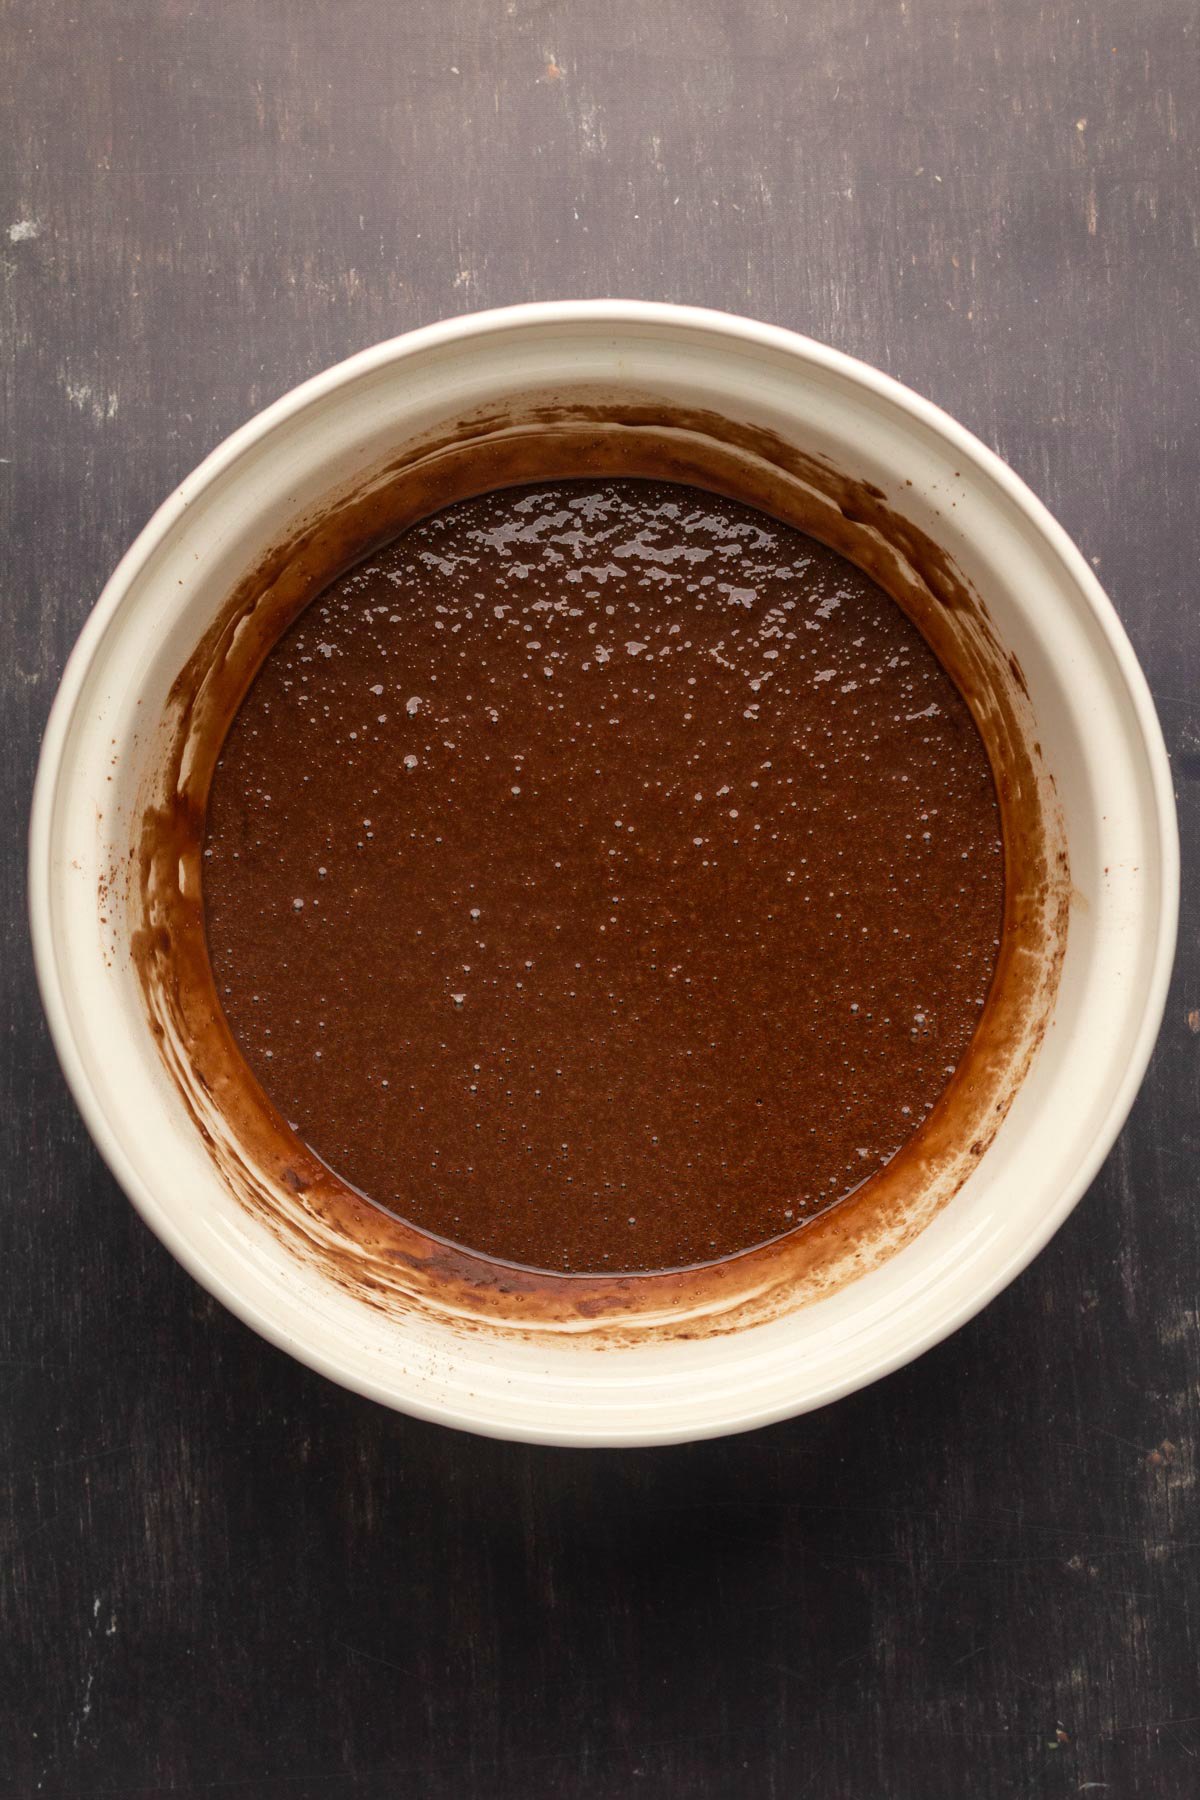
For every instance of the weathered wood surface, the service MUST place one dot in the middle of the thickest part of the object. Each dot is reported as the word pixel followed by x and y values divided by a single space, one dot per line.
pixel 219 1575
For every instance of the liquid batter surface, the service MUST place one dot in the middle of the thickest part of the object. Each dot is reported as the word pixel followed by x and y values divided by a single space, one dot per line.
pixel 604 876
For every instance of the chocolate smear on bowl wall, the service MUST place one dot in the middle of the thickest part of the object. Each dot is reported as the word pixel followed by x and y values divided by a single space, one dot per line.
pixel 386 1248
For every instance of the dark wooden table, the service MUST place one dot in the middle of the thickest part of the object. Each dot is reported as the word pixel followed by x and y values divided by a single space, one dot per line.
pixel 220 1575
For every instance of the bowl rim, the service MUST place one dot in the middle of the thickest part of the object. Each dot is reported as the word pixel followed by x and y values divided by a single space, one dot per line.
pixel 618 313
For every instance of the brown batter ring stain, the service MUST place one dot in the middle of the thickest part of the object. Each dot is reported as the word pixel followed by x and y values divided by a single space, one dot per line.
pixel 389 1264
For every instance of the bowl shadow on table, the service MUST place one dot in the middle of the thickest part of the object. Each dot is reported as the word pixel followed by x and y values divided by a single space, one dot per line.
pixel 704 1594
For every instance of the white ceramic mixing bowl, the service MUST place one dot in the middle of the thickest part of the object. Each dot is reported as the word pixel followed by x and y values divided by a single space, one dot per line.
pixel 1098 734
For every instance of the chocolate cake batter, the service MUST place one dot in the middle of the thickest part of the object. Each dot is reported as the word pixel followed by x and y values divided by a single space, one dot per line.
pixel 605 876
